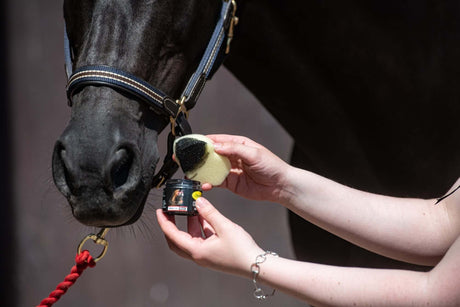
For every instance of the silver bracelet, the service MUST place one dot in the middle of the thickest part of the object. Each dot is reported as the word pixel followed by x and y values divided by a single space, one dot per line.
pixel 255 269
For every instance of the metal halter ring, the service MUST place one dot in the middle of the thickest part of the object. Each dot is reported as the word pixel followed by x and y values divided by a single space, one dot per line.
pixel 98 239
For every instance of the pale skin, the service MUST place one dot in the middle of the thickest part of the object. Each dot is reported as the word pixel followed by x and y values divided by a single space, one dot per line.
pixel 412 230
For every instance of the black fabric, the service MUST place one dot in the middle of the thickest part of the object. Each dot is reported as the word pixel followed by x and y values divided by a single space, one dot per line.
pixel 447 195
pixel 367 89
pixel 182 125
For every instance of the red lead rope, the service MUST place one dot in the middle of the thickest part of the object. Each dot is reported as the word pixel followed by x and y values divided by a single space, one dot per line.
pixel 82 261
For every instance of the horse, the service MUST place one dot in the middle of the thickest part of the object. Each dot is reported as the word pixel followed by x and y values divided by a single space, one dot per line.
pixel 365 89
pixel 104 161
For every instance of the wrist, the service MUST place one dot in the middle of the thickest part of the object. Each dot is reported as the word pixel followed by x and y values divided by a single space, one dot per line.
pixel 288 186
pixel 256 271
pixel 245 265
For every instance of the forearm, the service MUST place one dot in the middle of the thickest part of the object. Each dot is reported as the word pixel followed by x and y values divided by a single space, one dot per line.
pixel 406 229
pixel 323 285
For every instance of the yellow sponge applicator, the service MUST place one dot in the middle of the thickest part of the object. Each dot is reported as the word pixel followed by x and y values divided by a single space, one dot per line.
pixel 196 156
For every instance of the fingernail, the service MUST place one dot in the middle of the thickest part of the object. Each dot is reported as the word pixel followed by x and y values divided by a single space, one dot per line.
pixel 200 203
pixel 217 145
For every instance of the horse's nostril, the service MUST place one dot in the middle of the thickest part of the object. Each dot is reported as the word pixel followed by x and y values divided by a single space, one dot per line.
pixel 121 167
pixel 67 177
pixel 61 175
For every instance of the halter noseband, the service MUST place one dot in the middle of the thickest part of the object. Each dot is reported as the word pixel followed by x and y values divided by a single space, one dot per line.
pixel 175 110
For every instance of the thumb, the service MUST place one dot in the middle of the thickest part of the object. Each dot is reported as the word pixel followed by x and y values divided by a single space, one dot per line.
pixel 211 215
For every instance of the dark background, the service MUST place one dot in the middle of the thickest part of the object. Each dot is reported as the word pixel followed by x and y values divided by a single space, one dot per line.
pixel 38 234
pixel 7 232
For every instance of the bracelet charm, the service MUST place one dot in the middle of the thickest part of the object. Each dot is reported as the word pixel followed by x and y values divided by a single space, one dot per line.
pixel 255 269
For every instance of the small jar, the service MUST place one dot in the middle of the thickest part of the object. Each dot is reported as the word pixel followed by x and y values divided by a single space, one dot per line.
pixel 179 196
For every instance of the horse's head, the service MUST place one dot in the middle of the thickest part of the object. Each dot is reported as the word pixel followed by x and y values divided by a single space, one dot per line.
pixel 105 160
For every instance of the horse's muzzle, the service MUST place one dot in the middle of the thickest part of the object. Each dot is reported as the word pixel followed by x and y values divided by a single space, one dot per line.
pixel 103 188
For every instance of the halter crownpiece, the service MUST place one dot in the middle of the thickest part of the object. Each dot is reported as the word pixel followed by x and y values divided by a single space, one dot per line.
pixel 175 109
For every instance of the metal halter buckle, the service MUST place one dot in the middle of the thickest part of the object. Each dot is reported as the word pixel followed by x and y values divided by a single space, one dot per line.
pixel 182 109
pixel 233 22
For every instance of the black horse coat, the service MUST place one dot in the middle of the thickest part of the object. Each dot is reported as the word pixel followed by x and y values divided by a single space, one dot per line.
pixel 369 90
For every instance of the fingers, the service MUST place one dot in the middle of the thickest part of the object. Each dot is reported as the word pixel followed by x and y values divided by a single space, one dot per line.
pixel 194 226
pixel 237 151
pixel 208 231
pixel 206 186
pixel 171 245
pixel 209 214
pixel 219 250
pixel 198 227
pixel 177 250
pixel 186 244
pixel 179 241
pixel 225 138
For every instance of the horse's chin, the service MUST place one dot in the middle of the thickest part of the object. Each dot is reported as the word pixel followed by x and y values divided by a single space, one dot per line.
pixel 137 215
pixel 108 215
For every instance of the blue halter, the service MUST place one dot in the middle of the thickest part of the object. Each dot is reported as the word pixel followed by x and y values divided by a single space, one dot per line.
pixel 158 101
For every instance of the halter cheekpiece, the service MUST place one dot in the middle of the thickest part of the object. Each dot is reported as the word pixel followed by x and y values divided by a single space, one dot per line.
pixel 175 109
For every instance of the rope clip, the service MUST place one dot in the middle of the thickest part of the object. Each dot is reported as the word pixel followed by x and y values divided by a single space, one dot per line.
pixel 97 239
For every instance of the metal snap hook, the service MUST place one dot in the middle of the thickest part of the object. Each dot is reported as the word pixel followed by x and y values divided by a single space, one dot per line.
pixel 97 239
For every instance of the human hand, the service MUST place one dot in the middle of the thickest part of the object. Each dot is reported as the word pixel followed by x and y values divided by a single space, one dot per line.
pixel 256 172
pixel 223 245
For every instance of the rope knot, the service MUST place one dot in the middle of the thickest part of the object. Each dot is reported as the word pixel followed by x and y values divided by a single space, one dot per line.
pixel 82 261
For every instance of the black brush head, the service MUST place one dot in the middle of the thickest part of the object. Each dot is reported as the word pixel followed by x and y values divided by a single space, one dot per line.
pixel 191 153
